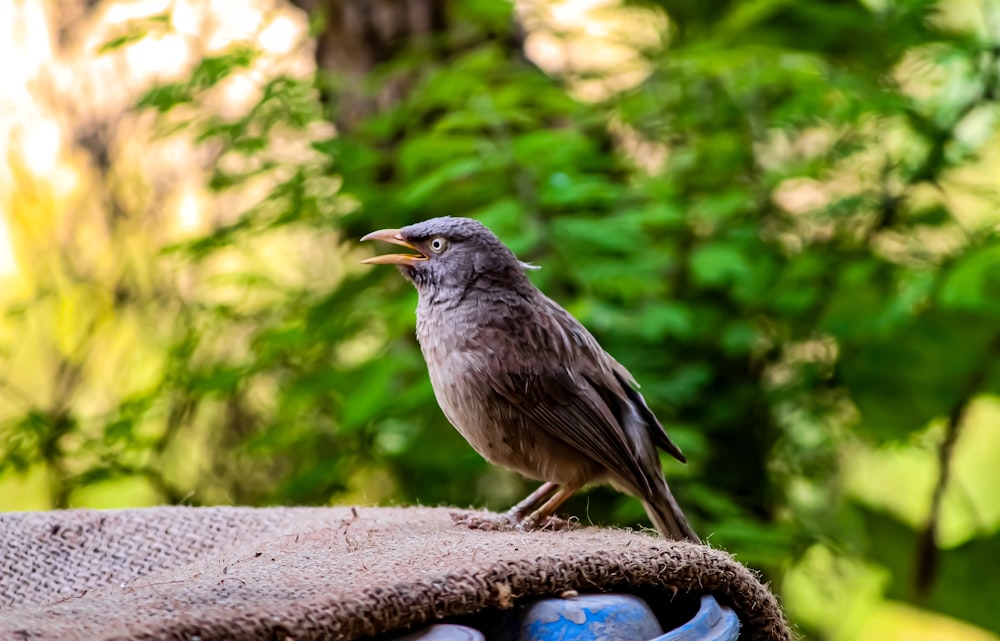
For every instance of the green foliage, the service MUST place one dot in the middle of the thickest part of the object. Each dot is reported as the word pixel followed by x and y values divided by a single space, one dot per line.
pixel 960 568
pixel 135 30
pixel 786 272
pixel 206 74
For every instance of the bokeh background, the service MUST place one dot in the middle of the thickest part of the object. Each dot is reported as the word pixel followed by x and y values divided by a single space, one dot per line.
pixel 781 215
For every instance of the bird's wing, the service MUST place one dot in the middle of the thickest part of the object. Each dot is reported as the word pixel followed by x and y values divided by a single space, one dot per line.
pixel 616 378
pixel 656 431
pixel 570 390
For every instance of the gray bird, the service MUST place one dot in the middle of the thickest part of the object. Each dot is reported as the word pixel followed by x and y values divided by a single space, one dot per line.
pixel 523 381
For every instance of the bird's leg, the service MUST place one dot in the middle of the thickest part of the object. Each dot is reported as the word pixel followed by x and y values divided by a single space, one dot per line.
pixel 514 517
pixel 539 516
pixel 517 513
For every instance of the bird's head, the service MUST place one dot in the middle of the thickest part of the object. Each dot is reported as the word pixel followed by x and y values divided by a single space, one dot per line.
pixel 452 254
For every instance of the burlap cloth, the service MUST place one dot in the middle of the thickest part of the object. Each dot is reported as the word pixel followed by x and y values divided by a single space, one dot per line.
pixel 322 573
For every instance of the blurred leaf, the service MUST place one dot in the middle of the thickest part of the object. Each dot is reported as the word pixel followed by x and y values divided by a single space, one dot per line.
pixel 894 545
pixel 718 264
pixel 211 69
pixel 135 30
pixel 973 283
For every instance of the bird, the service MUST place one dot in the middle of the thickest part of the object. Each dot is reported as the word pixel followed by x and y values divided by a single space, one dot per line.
pixel 523 381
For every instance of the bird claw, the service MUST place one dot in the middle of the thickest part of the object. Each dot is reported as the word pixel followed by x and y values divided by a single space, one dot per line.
pixel 553 523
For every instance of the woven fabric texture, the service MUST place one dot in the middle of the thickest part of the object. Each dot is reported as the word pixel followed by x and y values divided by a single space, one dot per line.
pixel 322 573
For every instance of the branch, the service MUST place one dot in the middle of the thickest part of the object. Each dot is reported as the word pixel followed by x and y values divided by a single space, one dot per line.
pixel 927 544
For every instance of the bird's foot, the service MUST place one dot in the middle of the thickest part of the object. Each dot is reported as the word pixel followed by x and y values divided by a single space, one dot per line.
pixel 554 523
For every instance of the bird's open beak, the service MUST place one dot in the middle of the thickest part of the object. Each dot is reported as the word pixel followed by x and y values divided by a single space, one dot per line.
pixel 392 236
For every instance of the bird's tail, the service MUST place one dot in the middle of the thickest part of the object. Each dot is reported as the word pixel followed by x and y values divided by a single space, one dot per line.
pixel 666 515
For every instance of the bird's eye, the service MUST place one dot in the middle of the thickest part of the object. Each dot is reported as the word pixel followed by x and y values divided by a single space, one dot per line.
pixel 438 245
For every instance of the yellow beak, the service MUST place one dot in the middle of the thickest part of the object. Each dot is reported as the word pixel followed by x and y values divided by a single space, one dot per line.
pixel 392 236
